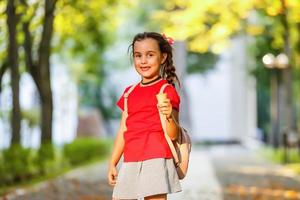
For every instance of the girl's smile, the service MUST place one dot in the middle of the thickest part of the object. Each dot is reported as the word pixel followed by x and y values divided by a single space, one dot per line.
pixel 144 69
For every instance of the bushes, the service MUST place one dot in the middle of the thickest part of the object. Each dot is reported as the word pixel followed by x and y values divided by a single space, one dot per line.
pixel 50 160
pixel 19 164
pixel 85 150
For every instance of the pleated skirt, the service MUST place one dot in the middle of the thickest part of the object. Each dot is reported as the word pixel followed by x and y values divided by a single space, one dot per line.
pixel 137 180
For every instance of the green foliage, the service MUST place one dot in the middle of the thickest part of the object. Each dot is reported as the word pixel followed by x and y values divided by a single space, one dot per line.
pixel 32 116
pixel 49 160
pixel 3 32
pixel 205 25
pixel 82 40
pixel 89 91
pixel 200 62
pixel 109 109
pixel 208 25
pixel 277 155
pixel 17 164
pixel 85 150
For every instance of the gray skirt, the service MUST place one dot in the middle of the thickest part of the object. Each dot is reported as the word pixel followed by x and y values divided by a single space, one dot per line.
pixel 146 178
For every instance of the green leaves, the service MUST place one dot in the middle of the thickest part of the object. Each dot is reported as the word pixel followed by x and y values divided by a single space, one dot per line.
pixel 83 30
pixel 197 62
pixel 207 25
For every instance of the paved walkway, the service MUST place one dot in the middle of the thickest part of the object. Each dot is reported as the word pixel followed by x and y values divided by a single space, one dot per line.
pixel 215 173
pixel 245 175
pixel 85 183
pixel 201 182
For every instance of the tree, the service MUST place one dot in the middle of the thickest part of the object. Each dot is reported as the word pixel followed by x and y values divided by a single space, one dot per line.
pixel 12 21
pixel 81 30
pixel 281 19
pixel 39 68
pixel 209 25
pixel 81 41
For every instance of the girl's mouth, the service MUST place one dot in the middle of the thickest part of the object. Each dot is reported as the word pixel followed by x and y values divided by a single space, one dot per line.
pixel 145 68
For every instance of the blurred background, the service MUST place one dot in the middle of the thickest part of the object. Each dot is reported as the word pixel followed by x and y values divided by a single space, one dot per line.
pixel 64 64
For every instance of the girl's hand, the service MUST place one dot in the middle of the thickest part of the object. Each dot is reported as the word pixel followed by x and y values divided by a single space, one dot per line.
pixel 112 175
pixel 165 108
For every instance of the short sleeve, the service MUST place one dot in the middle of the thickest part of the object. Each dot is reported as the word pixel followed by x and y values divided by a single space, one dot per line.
pixel 173 96
pixel 120 102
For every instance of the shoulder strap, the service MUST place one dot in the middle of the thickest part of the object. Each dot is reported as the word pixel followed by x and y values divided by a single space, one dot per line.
pixel 163 87
pixel 126 94
pixel 164 126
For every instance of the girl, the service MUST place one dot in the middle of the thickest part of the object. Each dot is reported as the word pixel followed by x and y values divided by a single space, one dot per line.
pixel 148 170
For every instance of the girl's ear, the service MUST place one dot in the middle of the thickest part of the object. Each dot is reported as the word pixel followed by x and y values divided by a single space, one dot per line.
pixel 164 57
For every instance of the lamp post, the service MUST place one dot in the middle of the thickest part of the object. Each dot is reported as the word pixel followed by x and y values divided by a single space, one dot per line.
pixel 275 64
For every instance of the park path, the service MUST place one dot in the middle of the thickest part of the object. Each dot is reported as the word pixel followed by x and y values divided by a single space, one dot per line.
pixel 215 173
pixel 244 174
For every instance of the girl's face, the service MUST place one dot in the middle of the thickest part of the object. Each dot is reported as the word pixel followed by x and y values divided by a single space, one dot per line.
pixel 148 58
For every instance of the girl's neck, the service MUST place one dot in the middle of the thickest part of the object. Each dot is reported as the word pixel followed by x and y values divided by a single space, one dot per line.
pixel 151 82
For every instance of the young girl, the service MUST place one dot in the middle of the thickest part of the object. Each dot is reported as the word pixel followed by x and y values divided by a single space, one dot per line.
pixel 148 170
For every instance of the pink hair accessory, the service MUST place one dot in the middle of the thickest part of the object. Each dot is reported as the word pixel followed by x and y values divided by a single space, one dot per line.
pixel 169 39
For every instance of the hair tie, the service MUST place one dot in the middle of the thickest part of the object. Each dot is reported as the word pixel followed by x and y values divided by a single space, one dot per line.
pixel 168 39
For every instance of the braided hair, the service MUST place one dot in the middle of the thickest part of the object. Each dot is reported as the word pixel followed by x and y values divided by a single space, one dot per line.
pixel 167 70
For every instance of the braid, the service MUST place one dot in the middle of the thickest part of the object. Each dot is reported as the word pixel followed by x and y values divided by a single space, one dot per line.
pixel 169 71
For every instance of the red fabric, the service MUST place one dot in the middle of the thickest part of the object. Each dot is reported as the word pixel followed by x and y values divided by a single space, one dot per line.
pixel 144 138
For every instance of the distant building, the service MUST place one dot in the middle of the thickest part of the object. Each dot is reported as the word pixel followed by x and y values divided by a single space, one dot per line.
pixel 222 103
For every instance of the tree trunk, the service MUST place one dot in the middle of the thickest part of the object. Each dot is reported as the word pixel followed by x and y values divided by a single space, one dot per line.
pixel 46 111
pixel 13 64
pixel 44 71
pixel 40 69
pixel 3 69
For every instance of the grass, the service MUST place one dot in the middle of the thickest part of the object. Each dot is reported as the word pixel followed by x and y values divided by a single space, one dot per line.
pixel 278 156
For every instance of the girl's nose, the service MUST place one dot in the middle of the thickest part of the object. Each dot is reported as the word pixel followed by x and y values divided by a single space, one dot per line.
pixel 144 59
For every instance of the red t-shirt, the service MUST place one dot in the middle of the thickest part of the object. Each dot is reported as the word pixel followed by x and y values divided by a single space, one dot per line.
pixel 144 137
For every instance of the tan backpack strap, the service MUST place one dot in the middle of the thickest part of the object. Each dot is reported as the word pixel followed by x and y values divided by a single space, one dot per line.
pixel 163 87
pixel 164 126
pixel 126 94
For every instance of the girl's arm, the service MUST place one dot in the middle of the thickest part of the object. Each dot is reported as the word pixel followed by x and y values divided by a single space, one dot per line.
pixel 119 143
pixel 172 125
pixel 116 153
pixel 171 116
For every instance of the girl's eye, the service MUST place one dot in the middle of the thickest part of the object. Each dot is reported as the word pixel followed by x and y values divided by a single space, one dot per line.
pixel 150 55
pixel 137 55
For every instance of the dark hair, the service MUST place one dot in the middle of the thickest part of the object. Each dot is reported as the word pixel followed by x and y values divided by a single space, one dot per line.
pixel 167 69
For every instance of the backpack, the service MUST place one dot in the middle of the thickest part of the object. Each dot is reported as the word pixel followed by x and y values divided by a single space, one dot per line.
pixel 181 147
